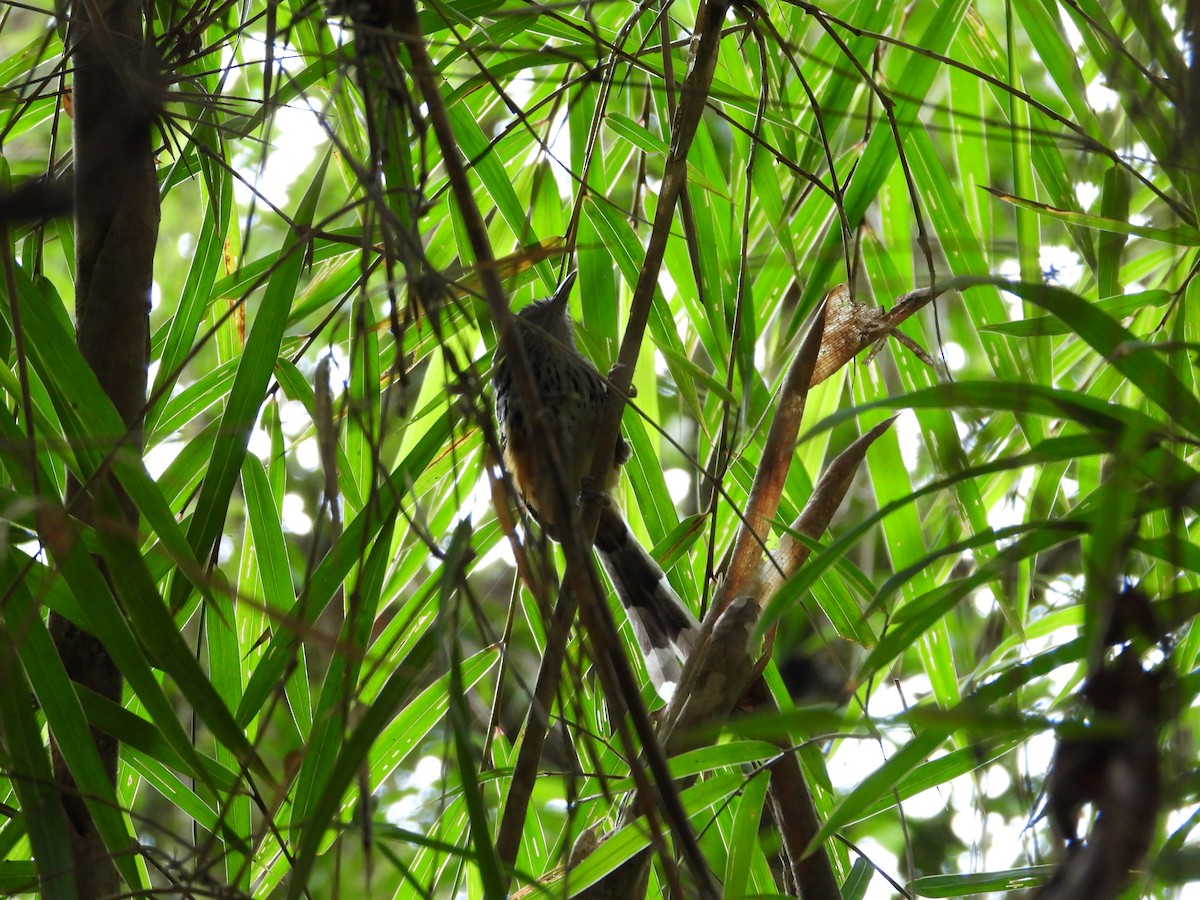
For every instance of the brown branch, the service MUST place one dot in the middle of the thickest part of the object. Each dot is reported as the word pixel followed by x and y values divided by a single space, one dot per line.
pixel 694 95
pixel 537 728
pixel 404 20
pixel 710 15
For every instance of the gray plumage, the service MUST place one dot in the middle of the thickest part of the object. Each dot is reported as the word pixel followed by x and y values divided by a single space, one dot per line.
pixel 572 394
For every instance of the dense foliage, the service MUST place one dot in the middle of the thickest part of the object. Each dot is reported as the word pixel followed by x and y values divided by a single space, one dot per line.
pixel 328 654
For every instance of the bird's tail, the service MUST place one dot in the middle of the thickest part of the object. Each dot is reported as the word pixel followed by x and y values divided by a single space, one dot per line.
pixel 664 627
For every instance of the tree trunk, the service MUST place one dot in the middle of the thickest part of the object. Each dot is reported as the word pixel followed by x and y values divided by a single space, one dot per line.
pixel 116 95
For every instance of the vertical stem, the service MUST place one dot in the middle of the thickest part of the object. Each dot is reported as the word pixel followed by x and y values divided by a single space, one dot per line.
pixel 116 219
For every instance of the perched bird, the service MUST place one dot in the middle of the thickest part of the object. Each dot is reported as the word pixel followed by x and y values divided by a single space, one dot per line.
pixel 572 393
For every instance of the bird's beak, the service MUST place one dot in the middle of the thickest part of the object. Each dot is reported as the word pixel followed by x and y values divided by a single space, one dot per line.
pixel 563 292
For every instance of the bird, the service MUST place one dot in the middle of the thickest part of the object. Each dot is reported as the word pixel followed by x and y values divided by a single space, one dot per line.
pixel 572 394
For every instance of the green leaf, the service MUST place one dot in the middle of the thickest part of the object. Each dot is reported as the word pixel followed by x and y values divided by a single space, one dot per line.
pixel 743 842
pixel 973 885
pixel 249 384
pixel 29 761
pixel 879 784
pixel 1106 336
pixel 384 721
pixel 1180 234
pixel 1118 307
pixel 56 697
